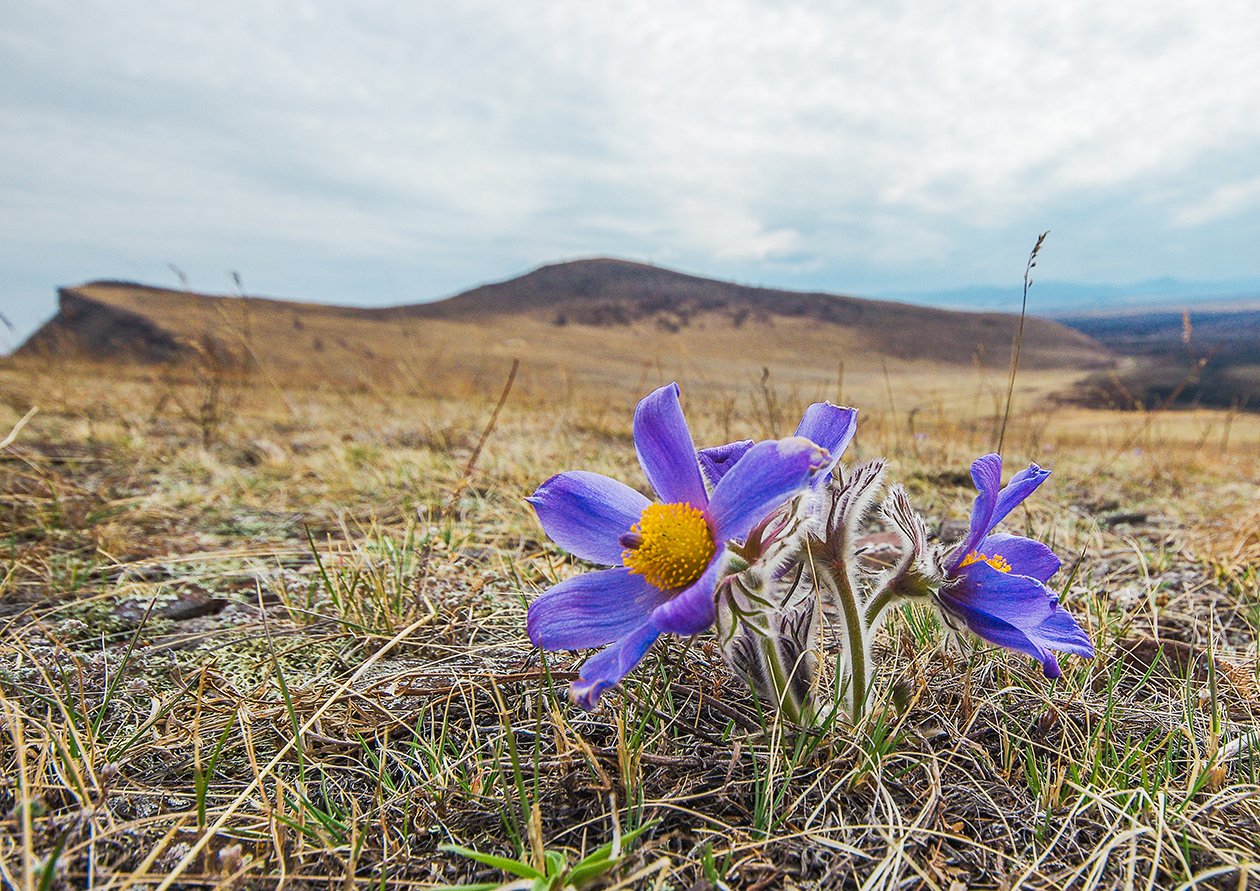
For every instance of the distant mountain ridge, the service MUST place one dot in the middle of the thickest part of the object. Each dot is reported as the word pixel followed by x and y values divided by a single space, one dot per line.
pixel 1059 300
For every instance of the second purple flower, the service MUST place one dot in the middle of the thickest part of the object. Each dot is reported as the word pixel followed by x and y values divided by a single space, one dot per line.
pixel 996 583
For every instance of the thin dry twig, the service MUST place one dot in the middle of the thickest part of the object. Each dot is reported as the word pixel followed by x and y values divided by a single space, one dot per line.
pixel 1019 338
pixel 17 428
pixel 466 476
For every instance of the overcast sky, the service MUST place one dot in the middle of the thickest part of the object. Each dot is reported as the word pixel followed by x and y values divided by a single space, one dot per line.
pixel 380 153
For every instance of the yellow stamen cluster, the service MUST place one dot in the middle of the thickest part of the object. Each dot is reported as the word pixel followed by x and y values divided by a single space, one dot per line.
pixel 676 546
pixel 997 561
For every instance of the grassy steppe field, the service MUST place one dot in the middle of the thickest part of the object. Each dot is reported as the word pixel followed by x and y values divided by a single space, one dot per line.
pixel 262 631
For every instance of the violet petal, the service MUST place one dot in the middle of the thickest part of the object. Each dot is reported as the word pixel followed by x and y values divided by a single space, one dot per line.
pixel 1026 556
pixel 1013 494
pixel 715 461
pixel 607 667
pixel 692 610
pixel 768 475
pixel 830 426
pixel 591 609
pixel 986 472
pixel 587 513
pixel 665 448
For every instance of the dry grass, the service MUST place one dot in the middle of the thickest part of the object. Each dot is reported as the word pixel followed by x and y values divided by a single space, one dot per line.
pixel 281 655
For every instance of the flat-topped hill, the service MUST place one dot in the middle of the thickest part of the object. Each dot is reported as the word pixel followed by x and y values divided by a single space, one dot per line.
pixel 601 317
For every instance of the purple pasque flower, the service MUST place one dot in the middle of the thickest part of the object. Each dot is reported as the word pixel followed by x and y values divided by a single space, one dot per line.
pixel 996 583
pixel 666 557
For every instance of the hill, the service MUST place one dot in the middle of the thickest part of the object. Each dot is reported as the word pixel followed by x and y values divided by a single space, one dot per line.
pixel 594 319
pixel 607 292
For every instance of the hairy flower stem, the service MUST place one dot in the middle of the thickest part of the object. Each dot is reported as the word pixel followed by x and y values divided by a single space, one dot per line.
pixel 781 679
pixel 859 645
pixel 909 586
pixel 852 613
pixel 879 605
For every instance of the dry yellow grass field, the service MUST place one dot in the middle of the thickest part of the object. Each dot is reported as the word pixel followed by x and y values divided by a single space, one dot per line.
pixel 262 627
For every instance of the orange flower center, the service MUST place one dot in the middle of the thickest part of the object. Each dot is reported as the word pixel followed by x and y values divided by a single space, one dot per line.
pixel 670 546
pixel 997 561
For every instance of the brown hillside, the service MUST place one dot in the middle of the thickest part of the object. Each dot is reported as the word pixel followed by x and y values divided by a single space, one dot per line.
pixel 607 292
pixel 602 321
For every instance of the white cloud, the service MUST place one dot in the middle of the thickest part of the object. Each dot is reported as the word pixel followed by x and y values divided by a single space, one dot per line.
pixel 1222 202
